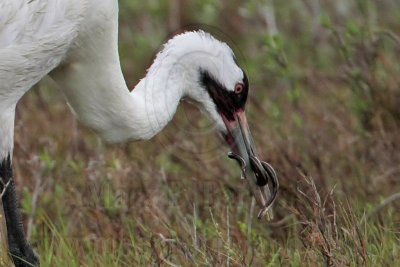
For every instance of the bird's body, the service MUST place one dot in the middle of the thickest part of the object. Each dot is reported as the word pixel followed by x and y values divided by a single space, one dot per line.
pixel 30 47
pixel 76 43
pixel 78 47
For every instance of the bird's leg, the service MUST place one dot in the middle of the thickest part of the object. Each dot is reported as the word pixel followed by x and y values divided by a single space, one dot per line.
pixel 20 250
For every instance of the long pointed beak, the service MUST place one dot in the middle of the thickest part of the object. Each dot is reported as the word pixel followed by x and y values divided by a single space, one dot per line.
pixel 260 176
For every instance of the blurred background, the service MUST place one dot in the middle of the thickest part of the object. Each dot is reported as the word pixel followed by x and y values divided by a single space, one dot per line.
pixel 324 109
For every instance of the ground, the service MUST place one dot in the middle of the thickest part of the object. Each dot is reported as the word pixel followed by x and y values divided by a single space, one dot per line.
pixel 324 111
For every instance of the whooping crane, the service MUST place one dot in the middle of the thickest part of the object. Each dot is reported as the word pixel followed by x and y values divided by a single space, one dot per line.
pixel 75 43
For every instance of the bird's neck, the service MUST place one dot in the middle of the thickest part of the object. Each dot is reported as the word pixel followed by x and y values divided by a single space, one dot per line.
pixel 98 95
pixel 92 81
pixel 155 100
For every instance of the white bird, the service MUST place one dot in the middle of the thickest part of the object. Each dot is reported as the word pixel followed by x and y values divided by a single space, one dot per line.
pixel 75 43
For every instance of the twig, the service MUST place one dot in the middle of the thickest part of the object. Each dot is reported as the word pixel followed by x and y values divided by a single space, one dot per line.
pixel 5 186
pixel 384 203
pixel 35 197
pixel 5 260
pixel 391 35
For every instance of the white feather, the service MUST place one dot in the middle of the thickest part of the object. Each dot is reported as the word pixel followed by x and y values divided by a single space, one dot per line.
pixel 76 42
pixel 34 38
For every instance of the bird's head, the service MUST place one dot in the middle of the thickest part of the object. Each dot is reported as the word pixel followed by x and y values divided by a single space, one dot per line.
pixel 210 76
pixel 213 79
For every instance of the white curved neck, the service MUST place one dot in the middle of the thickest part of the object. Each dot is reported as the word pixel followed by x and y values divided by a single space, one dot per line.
pixel 93 84
pixel 155 100
pixel 98 95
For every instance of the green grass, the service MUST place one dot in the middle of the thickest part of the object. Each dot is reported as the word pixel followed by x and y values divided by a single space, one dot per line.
pixel 324 110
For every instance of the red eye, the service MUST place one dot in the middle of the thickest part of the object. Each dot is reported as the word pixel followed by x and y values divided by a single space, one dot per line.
pixel 239 88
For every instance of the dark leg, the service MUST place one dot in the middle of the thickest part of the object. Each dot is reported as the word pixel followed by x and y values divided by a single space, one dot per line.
pixel 21 252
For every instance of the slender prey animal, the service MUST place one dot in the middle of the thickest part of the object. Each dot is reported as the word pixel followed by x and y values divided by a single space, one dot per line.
pixel 75 43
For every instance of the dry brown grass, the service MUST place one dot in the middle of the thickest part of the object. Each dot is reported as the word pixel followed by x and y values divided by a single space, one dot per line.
pixel 177 200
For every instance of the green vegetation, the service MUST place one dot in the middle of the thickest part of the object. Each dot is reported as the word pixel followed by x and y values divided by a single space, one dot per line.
pixel 324 110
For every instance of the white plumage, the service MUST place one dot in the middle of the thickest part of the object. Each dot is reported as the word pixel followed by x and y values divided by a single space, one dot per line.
pixel 31 45
pixel 80 38
pixel 76 43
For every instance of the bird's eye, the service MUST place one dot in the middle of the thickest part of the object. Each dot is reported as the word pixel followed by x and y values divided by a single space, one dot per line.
pixel 239 88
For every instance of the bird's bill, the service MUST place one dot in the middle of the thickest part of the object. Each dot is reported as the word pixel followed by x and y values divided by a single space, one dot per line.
pixel 257 173
pixel 238 136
